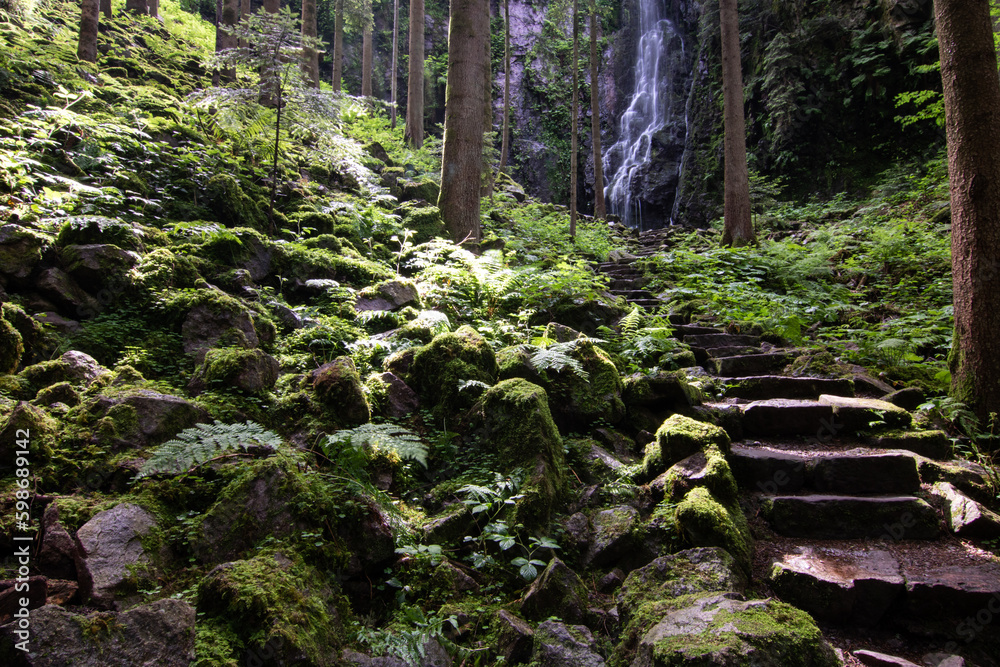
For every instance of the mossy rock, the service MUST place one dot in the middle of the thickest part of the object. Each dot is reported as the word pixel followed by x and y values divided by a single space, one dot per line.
pixel 517 426
pixel 439 368
pixel 251 371
pixel 275 603
pixel 338 386
pixel 558 591
pixel 424 220
pixel 314 222
pixel 94 230
pixel 231 205
pixel 11 347
pixel 162 269
pixel 676 439
pixel 707 469
pixel 707 521
pixel 61 392
pixel 41 431
pixel 423 189
pixel 581 400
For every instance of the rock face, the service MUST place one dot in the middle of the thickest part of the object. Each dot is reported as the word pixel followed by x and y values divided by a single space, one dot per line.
pixel 558 591
pixel 338 386
pixel 159 633
pixel 251 371
pixel 561 645
pixel 110 552
pixel 388 295
pixel 208 325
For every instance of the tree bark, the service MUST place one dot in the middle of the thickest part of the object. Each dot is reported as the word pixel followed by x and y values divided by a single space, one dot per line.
pixel 505 139
pixel 338 46
pixel 136 6
pixel 106 8
pixel 228 15
pixel 462 154
pixel 90 11
pixel 574 151
pixel 366 62
pixel 270 6
pixel 310 57
pixel 738 229
pixel 395 64
pixel 486 169
pixel 972 124
pixel 153 8
pixel 415 84
pixel 595 119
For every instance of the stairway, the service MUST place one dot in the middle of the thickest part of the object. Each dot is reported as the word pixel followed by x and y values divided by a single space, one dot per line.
pixel 860 521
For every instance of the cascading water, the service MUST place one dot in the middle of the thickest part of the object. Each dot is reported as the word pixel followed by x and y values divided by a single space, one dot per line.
pixel 649 112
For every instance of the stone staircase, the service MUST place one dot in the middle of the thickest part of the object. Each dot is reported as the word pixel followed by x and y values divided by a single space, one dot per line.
pixel 858 520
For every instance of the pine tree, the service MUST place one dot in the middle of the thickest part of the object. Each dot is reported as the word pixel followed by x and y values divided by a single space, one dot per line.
pixel 574 151
pixel 415 84
pixel 89 17
pixel 738 229
pixel 395 63
pixel 595 118
pixel 338 45
pixel 505 139
pixel 310 57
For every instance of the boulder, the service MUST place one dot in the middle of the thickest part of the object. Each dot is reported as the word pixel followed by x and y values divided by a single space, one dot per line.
pixel 514 638
pixel 708 521
pixel 677 438
pixel 423 219
pixel 440 367
pixel 62 290
pixel 11 348
pixel 422 190
pixel 662 390
pixel 612 535
pixel 110 553
pixel 590 395
pixel 876 659
pixel 558 591
pixel 561 645
pixel 58 553
pixel 41 428
pixel 709 470
pixel 20 250
pixel 723 630
pixel 160 633
pixel 99 265
pixel 250 371
pixel 220 323
pixel 158 417
pixel 514 421
pixel 388 295
pixel 400 400
pixel 338 387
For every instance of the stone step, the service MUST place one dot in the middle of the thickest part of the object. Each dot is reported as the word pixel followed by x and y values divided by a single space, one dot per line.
pixel 851 517
pixel 932 444
pixel 927 586
pixel 681 330
pixel 852 472
pixel 748 364
pixel 627 283
pixel 721 352
pixel 721 340
pixel 757 387
pixel 652 304
pixel 632 295
pixel 826 416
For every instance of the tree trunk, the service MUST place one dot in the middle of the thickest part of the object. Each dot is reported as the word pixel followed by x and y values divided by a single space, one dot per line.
pixel 310 57
pixel 106 8
pixel 338 45
pixel 153 8
pixel 244 6
pixel 595 119
pixel 136 6
pixel 228 15
pixel 462 154
pixel 486 169
pixel 505 139
pixel 574 150
pixel 972 123
pixel 738 229
pixel 395 64
pixel 415 84
pixel 90 11
pixel 271 6
pixel 366 63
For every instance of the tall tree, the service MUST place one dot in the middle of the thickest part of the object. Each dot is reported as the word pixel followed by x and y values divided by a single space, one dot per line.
pixel 415 83
pixel 505 139
pixel 338 45
pixel 86 49
pixel 310 56
pixel 595 118
pixel 462 154
pixel 366 61
pixel 574 151
pixel 136 6
pixel 972 124
pixel 227 16
pixel 270 6
pixel 738 229
pixel 395 63
pixel 106 8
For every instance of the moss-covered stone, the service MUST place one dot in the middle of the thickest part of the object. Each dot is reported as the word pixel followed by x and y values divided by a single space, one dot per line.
pixel 708 469
pixel 558 591
pixel 424 220
pixel 162 269
pixel 61 392
pixel 707 522
pixel 422 190
pixel 439 368
pixel 11 347
pixel 93 229
pixel 677 438
pixel 231 205
pixel 275 603
pixel 251 371
pixel 338 386
pixel 517 426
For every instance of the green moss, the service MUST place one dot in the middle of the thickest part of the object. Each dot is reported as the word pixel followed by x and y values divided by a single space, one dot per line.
pixel 216 644
pixel 677 438
pixel 93 229
pixel 448 360
pixel 425 220
pixel 162 269
pixel 231 205
pixel 11 347
pixel 716 476
pixel 278 600
pixel 706 521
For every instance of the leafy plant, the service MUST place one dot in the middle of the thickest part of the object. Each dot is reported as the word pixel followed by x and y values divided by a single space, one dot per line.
pixel 207 442
pixel 347 444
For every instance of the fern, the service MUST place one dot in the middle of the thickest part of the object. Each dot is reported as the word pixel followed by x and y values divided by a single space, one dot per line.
pixel 405 443
pixel 204 442
pixel 556 357
pixel 629 325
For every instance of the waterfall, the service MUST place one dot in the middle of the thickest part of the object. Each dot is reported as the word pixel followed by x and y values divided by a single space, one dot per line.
pixel 650 109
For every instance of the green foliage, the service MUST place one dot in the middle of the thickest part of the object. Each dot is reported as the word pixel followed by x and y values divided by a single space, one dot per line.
pixel 205 442
pixel 345 446
pixel 408 636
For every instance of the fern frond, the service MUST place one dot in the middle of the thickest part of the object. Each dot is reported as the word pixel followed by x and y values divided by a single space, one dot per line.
pixel 629 325
pixel 556 357
pixel 204 442
pixel 404 442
